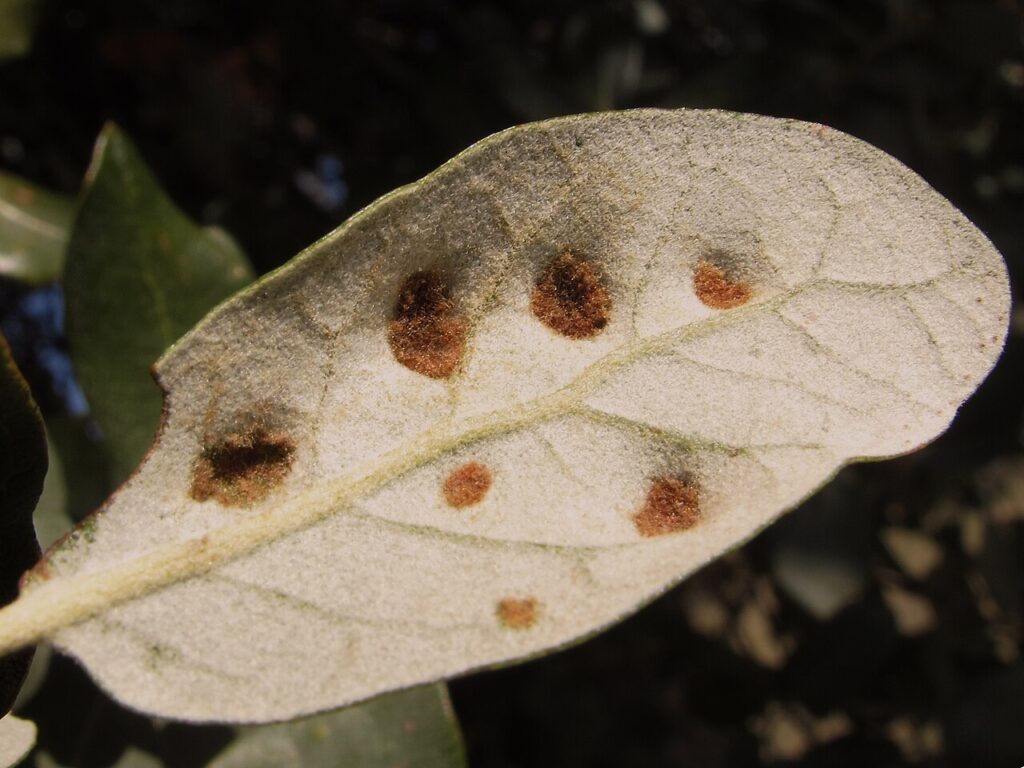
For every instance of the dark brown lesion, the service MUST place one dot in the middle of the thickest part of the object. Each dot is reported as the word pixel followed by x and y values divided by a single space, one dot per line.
pixel 570 297
pixel 467 485
pixel 518 613
pixel 717 289
pixel 426 333
pixel 672 505
pixel 242 467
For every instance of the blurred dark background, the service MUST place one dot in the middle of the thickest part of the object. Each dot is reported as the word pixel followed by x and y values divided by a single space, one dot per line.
pixel 880 624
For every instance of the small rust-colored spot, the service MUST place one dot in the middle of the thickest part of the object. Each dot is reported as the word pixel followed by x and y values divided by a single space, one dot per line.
pixel 672 505
pixel 426 334
pixel 241 468
pixel 570 298
pixel 716 290
pixel 518 613
pixel 467 485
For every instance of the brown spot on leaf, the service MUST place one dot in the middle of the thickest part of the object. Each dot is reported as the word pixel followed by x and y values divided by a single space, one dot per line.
pixel 467 485
pixel 518 613
pixel 426 334
pixel 716 290
pixel 243 467
pixel 672 505
pixel 570 299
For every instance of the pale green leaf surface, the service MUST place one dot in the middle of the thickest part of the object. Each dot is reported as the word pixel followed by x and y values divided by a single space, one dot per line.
pixel 413 727
pixel 139 274
pixel 34 226
pixel 51 516
pixel 875 309
pixel 17 737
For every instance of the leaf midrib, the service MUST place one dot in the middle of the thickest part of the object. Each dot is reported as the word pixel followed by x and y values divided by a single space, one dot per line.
pixel 50 606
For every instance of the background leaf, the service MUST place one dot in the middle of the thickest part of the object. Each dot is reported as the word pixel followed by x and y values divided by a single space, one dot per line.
pixel 51 513
pixel 413 727
pixel 34 227
pixel 131 758
pixel 22 469
pixel 139 274
pixel 82 475
pixel 17 23
pixel 505 406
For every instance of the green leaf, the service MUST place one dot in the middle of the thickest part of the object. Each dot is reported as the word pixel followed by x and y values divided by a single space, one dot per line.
pixel 51 516
pixel 17 23
pixel 139 274
pixel 413 727
pixel 34 226
pixel 130 758
pixel 81 479
pixel 22 469
pixel 507 405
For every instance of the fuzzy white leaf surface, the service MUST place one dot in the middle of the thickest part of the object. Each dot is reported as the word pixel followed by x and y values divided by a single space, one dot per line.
pixel 17 737
pixel 774 299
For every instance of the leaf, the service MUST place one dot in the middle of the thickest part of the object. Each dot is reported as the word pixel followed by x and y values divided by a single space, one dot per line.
pixel 413 727
pixel 81 473
pixel 501 408
pixel 17 23
pixel 139 274
pixel 130 758
pixel 36 676
pixel 22 468
pixel 17 737
pixel 188 271
pixel 34 227
pixel 51 519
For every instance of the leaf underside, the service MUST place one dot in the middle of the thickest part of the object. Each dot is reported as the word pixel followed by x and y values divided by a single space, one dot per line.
pixel 502 407
pixel 17 737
